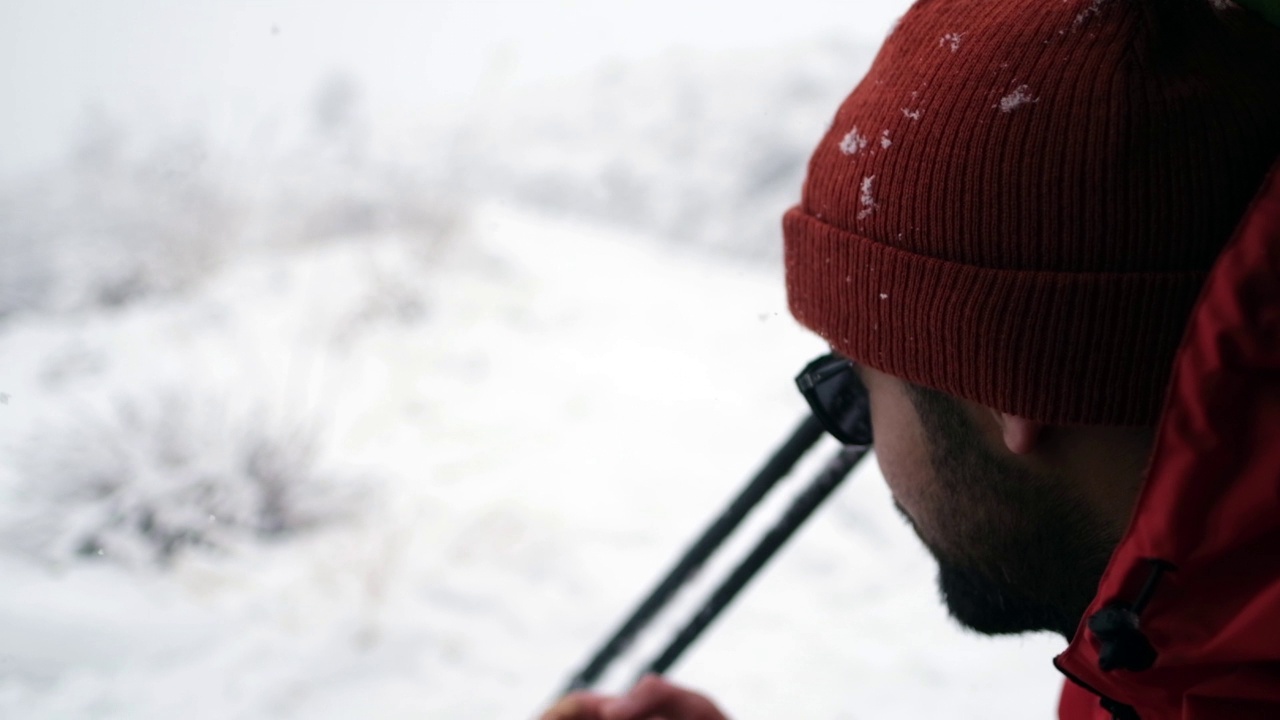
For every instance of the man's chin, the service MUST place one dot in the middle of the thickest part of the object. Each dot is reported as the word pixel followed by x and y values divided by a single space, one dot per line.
pixel 984 606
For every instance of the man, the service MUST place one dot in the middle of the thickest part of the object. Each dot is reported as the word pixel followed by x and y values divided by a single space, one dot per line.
pixel 1046 235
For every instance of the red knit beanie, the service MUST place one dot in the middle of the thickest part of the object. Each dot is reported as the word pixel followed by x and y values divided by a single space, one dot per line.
pixel 1020 201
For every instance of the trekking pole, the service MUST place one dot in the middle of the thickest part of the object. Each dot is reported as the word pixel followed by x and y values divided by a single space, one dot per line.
pixel 841 406
pixel 802 439
pixel 835 471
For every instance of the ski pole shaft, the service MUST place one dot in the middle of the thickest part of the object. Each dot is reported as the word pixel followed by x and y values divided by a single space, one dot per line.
pixel 835 471
pixel 804 437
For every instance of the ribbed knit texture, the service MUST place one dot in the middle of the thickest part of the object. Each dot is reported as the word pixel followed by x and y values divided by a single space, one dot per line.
pixel 1019 202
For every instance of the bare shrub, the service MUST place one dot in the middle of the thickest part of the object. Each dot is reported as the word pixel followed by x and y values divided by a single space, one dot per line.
pixel 152 478
pixel 126 218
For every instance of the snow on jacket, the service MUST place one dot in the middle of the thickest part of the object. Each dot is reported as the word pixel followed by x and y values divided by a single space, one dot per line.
pixel 1187 615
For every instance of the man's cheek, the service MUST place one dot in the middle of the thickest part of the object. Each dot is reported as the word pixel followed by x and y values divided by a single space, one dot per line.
pixel 900 447
pixel 902 474
pixel 911 480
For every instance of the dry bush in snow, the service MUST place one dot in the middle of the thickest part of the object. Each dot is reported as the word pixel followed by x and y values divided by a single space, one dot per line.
pixel 149 479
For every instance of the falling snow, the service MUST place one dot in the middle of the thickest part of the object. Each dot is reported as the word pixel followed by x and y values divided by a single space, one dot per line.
pixel 467 595
pixel 885 142
pixel 951 40
pixel 853 143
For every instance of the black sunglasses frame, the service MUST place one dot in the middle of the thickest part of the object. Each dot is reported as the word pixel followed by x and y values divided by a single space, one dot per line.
pixel 837 398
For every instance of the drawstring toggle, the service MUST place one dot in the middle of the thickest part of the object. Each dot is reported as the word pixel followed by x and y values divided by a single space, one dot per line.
pixel 1122 644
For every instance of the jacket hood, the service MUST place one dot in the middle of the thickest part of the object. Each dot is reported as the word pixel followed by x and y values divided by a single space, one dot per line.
pixel 1186 622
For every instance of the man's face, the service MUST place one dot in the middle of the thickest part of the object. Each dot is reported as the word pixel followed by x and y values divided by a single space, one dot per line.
pixel 1017 549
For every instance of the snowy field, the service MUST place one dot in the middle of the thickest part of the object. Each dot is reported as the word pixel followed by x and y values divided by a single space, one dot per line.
pixel 345 432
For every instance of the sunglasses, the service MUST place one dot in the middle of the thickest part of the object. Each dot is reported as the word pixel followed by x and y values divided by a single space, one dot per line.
pixel 838 398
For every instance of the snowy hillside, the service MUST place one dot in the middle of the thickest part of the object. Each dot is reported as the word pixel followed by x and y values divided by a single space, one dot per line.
pixel 536 420
pixel 694 148
pixel 342 423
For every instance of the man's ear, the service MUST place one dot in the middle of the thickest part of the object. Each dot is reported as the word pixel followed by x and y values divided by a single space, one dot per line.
pixel 1021 436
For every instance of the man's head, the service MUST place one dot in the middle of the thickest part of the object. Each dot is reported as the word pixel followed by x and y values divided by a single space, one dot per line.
pixel 1006 227
pixel 1020 201
pixel 1021 516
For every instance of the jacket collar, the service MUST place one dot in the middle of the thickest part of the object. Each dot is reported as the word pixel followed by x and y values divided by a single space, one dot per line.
pixel 1196 577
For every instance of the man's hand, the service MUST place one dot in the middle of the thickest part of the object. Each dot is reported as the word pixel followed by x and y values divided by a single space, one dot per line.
pixel 651 699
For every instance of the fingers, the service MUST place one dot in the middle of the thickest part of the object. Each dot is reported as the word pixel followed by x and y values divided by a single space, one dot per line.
pixel 651 699
pixel 577 706
pixel 654 698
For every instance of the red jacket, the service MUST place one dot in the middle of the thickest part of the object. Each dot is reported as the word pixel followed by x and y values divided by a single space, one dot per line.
pixel 1210 509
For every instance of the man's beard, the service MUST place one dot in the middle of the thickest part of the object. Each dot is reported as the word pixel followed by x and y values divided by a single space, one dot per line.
pixel 1016 551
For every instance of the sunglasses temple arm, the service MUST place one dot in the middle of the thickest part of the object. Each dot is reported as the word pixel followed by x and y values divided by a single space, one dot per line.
pixel 802 439
pixel 835 471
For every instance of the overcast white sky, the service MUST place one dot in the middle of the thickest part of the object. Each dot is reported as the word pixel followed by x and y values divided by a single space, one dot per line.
pixel 225 68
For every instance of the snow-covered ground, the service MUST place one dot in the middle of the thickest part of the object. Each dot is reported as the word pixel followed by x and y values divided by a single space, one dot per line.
pixel 560 409
pixel 325 425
